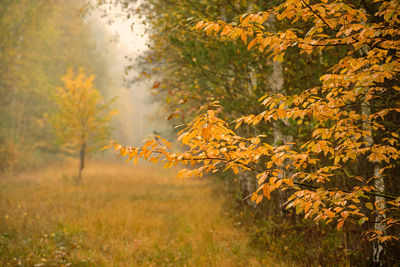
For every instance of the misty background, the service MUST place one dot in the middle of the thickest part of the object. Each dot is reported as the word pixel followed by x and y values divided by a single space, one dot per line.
pixel 41 40
pixel 123 40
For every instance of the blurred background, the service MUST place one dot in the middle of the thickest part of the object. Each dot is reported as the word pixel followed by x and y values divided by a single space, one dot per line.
pixel 40 41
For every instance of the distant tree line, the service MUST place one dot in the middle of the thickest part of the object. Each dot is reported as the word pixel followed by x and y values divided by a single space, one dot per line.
pixel 39 41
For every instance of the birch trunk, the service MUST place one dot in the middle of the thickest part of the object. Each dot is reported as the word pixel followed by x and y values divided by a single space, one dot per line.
pixel 276 81
pixel 248 181
pixel 379 183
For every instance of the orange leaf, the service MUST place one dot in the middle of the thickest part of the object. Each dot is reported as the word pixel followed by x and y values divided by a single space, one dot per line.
pixel 340 224
pixel 281 113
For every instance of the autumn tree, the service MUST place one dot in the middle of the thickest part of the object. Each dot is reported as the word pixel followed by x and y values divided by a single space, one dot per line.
pixel 341 170
pixel 192 70
pixel 81 123
pixel 40 40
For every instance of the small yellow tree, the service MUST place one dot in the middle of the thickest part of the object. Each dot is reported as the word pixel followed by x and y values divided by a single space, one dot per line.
pixel 81 122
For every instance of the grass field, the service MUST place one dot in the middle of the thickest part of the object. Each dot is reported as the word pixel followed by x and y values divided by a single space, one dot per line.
pixel 121 215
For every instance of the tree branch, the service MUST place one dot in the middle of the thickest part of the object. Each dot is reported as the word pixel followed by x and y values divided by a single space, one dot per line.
pixel 373 193
pixel 315 13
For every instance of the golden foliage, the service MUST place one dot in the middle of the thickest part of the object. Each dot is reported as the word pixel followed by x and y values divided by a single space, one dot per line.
pixel 82 116
pixel 344 131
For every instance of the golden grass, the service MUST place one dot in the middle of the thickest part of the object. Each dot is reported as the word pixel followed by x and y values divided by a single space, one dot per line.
pixel 121 215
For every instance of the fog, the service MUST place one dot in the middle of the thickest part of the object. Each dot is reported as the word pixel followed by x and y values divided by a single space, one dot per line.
pixel 124 40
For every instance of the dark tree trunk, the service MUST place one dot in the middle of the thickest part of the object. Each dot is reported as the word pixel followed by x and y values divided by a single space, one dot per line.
pixel 82 161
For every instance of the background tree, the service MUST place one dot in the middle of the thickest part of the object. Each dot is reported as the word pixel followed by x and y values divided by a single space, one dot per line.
pixel 81 123
pixel 40 40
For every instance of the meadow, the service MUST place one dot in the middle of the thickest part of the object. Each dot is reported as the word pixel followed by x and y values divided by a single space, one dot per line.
pixel 120 215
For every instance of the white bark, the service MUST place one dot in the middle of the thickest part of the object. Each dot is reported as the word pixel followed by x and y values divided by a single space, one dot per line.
pixel 276 81
pixel 248 181
pixel 379 183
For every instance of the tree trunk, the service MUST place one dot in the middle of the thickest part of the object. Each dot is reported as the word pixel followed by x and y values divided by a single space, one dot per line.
pixel 248 185
pixel 82 161
pixel 276 81
pixel 248 181
pixel 379 250
pixel 379 183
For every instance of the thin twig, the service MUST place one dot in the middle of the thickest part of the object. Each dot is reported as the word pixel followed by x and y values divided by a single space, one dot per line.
pixel 315 13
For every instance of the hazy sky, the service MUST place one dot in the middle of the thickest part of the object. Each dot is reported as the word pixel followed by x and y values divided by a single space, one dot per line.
pixel 138 114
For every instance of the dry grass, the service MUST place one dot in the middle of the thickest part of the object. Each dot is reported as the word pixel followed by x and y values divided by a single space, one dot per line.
pixel 121 215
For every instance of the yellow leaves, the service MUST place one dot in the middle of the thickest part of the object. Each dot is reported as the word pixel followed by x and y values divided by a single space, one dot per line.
pixel 340 224
pixel 235 169
pixel 265 99
pixel 149 143
pixel 123 151
pixel 244 19
pixel 82 116
pixel 211 113
pixel 334 111
pixel 198 25
pixel 307 206
pixel 383 153
pixel 376 157
pixel 344 214
pixel 206 132
pixel 256 198
pixel 243 36
pixel 226 30
pixel 154 160
pixel 168 164
pixel 264 43
pixel 209 28
pixel 238 123
pixel 281 113
pixel 279 57
pixel 262 177
pixel 330 214
pixel 321 146
pixel 182 173
pixel 252 43
pixel 258 18
pixel 267 191
pixel 236 33
pixel 108 146
pixel 289 182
